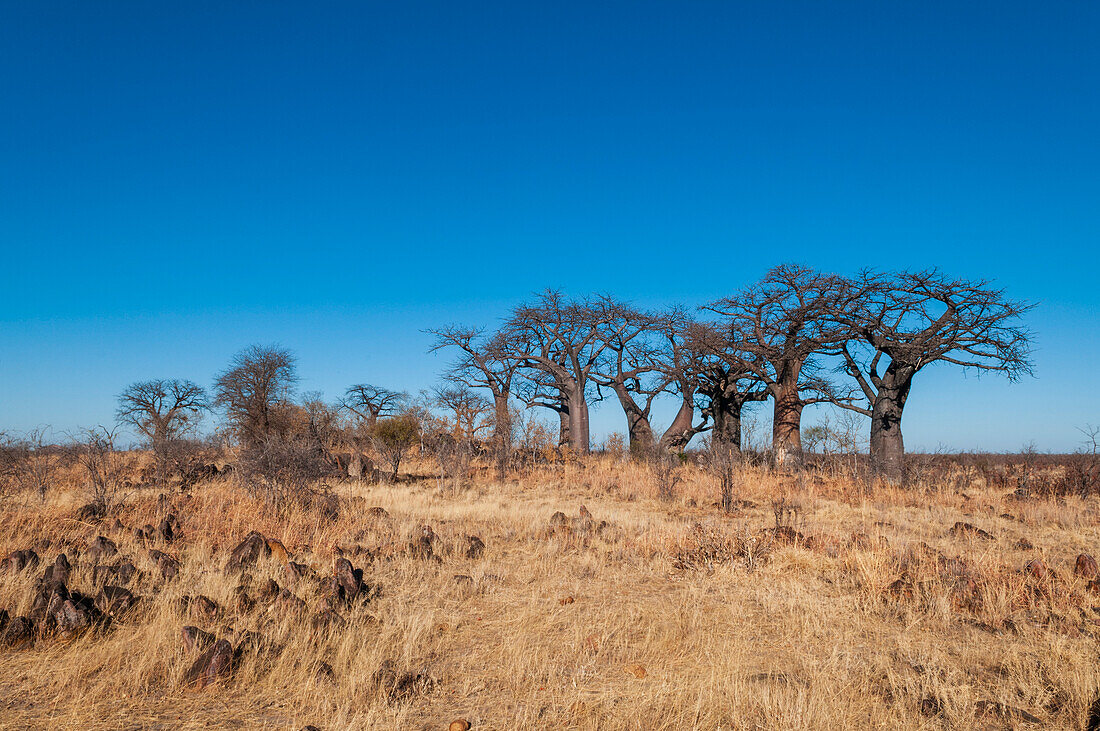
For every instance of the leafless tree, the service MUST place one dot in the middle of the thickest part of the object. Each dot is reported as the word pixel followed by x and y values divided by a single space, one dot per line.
pixel 681 367
pixel 371 402
pixel 103 466
pixel 163 411
pixel 783 324
pixel 630 366
pixel 259 380
pixel 484 362
pixel 538 389
pixel 28 463
pixel 468 413
pixel 907 320
pixel 726 383
pixel 561 339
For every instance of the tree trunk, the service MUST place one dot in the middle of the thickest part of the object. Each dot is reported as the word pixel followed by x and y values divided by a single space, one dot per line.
pixel 578 421
pixel 681 430
pixel 787 426
pixel 564 435
pixel 887 446
pixel 727 422
pixel 638 429
pixel 502 433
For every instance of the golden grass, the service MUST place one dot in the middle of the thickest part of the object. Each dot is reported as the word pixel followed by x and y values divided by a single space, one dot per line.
pixel 734 629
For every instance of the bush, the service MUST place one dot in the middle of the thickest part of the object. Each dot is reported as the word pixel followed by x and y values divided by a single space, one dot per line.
pixel 394 436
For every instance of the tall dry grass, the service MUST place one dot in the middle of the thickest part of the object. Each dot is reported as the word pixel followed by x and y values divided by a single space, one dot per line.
pixel 736 626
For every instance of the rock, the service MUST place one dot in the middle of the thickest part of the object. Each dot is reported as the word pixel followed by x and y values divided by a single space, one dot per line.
pixel 961 529
pixel 90 513
pixel 459 724
pixel 1092 723
pixel 71 618
pixel 1024 545
pixel 397 686
pixel 213 664
pixel 559 522
pixel 786 535
pixel 59 570
pixel 196 639
pixel 269 590
pixel 1037 569
pixel 19 560
pixel 378 513
pixel 297 571
pixel 328 618
pixel 18 634
pixel 930 706
pixel 475 547
pixel 638 671
pixel 114 600
pixel 169 567
pixel 310 727
pixel 900 590
pixel 102 547
pixel 463 579
pixel 289 602
pixel 169 528
pixel 277 550
pixel 566 600
pixel 247 552
pixel 1085 567
pixel 242 602
pixel 349 579
pixel 203 607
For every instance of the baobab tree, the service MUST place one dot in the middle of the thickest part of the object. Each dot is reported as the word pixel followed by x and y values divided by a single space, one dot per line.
pixel 162 411
pixel 487 363
pixel 681 369
pixel 783 323
pixel 630 366
pixel 908 320
pixel 537 389
pixel 371 402
pixel 254 389
pixel 725 382
pixel 560 338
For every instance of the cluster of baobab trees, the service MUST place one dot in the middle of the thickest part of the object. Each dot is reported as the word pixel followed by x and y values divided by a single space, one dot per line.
pixel 797 337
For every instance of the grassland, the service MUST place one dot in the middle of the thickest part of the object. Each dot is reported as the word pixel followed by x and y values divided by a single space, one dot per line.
pixel 866 609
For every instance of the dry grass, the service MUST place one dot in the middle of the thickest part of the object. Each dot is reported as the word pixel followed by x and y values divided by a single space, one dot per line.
pixel 735 626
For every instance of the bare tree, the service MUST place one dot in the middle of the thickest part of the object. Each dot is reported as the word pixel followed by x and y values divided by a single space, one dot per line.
pixel 371 402
pixel 783 324
pixel 538 389
pixel 29 462
pixel 907 320
pixel 163 411
pixel 560 338
pixel 104 468
pixel 726 382
pixel 470 414
pixel 484 363
pixel 681 366
pixel 630 366
pixel 259 380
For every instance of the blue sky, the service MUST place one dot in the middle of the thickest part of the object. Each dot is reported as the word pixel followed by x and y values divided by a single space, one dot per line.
pixel 177 182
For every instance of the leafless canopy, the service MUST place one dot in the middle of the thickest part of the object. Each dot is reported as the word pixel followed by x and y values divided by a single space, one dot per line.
pixel 371 402
pixel 901 322
pixel 784 324
pixel 260 379
pixel 162 411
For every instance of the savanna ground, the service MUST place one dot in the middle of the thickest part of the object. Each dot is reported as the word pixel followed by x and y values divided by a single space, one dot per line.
pixel 673 615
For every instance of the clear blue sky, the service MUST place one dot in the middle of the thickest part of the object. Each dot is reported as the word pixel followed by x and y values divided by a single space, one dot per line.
pixel 180 180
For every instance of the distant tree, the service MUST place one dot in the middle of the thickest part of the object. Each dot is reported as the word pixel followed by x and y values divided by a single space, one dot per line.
pixel 783 325
pixel 394 436
pixel 469 414
pixel 486 363
pixel 163 412
pixel 726 382
pixel 560 339
pixel 259 381
pixel 905 321
pixel 371 402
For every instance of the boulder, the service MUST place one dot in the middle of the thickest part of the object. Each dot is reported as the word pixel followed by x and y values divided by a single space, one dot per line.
pixel 18 634
pixel 215 663
pixel 102 547
pixel 966 530
pixel 247 552
pixel 114 600
pixel 1085 567
pixel 475 547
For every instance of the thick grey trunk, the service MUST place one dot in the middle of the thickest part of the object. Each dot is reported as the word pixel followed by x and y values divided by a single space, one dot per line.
pixel 681 430
pixel 502 433
pixel 638 429
pixel 787 426
pixel 578 420
pixel 887 446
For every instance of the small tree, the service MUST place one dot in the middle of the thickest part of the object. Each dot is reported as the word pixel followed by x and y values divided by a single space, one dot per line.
pixel 163 412
pixel 394 436
pixel 103 466
pixel 259 380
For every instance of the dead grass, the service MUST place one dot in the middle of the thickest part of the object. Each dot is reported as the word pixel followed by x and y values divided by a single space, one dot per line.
pixel 737 627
